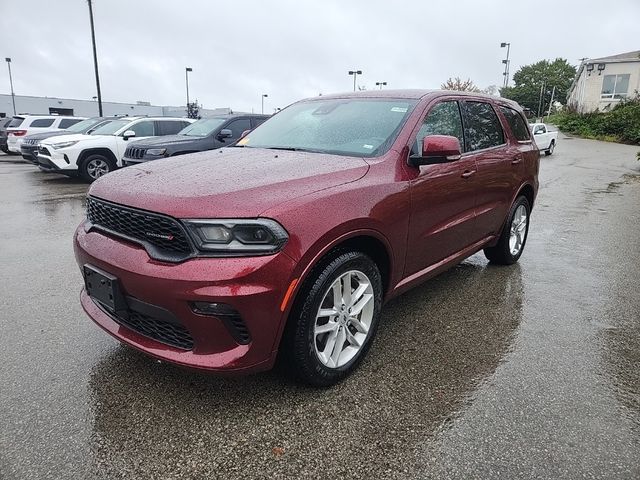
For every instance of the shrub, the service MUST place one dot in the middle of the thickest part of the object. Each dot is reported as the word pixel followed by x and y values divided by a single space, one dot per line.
pixel 621 124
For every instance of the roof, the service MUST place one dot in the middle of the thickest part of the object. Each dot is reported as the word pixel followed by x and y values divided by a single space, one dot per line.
pixel 633 56
pixel 411 94
pixel 621 57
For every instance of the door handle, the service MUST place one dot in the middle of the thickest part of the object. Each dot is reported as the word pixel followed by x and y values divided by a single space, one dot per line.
pixel 468 173
pixel 516 161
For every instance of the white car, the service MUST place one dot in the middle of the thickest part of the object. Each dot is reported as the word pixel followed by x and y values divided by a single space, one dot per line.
pixel 23 125
pixel 92 156
pixel 545 140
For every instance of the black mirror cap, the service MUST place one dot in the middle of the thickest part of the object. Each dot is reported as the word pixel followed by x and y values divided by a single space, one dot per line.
pixel 225 133
pixel 417 160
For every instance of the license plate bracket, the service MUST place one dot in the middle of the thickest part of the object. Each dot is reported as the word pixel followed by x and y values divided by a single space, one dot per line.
pixel 104 288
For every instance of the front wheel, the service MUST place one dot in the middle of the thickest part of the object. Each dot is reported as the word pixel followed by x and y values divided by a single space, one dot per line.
pixel 95 166
pixel 333 326
pixel 514 235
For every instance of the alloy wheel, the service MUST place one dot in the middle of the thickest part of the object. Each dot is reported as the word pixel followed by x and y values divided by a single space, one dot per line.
pixel 344 319
pixel 97 168
pixel 518 230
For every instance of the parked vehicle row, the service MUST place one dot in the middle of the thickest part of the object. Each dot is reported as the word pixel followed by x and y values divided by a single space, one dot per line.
pixel 21 126
pixel 287 244
pixel 94 147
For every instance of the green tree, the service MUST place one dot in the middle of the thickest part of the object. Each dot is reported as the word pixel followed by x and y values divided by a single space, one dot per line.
pixel 543 75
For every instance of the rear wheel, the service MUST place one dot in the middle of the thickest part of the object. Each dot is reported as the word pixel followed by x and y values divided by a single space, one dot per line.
pixel 333 327
pixel 514 235
pixel 95 166
pixel 552 146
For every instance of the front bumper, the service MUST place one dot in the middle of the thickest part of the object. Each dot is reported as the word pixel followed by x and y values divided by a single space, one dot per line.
pixel 253 286
pixel 30 153
pixel 51 160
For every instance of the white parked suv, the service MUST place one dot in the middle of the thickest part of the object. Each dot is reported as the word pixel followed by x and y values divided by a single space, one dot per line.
pixel 92 156
pixel 23 125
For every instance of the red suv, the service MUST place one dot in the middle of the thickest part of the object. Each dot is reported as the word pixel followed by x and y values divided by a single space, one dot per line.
pixel 292 240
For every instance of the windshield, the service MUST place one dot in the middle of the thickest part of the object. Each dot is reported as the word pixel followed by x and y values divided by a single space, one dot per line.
pixel 352 126
pixel 82 126
pixel 111 127
pixel 203 127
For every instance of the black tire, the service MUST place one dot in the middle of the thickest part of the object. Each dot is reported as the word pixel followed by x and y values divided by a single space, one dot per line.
pixel 95 166
pixel 551 148
pixel 501 254
pixel 6 150
pixel 299 343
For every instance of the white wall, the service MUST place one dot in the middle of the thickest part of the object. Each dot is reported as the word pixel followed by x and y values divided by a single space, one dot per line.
pixel 588 88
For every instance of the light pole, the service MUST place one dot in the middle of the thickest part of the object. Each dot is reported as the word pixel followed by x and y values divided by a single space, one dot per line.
pixel 506 64
pixel 13 96
pixel 264 95
pixel 380 84
pixel 355 74
pixel 95 58
pixel 186 80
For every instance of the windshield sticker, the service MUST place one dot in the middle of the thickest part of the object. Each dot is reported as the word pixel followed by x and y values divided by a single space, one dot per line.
pixel 399 109
pixel 368 147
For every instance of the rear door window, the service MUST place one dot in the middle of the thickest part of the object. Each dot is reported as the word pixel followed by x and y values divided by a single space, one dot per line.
pixel 482 128
pixel 517 124
pixel 442 119
pixel 42 122
pixel 67 122
pixel 144 128
pixel 239 126
pixel 169 127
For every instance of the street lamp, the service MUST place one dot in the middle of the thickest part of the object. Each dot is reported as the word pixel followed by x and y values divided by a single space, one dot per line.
pixel 264 95
pixel 95 58
pixel 13 96
pixel 506 64
pixel 355 74
pixel 186 79
pixel 380 84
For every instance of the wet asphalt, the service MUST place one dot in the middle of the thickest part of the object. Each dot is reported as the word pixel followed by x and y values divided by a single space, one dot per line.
pixel 528 371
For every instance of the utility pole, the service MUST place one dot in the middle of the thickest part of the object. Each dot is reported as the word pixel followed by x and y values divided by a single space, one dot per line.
pixel 13 96
pixel 506 64
pixel 355 74
pixel 95 58
pixel 186 77
pixel 264 95
pixel 540 101
pixel 553 93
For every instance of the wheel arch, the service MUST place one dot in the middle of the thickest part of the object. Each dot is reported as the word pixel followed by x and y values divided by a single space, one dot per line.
pixel 106 152
pixel 369 242
pixel 528 192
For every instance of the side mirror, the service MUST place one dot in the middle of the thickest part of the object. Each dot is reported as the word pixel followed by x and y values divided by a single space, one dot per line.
pixel 128 134
pixel 437 149
pixel 245 133
pixel 225 133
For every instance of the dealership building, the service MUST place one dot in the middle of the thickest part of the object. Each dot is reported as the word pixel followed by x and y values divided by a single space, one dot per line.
pixel 26 104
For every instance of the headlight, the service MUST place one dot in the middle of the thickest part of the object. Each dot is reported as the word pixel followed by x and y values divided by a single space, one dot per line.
pixel 238 236
pixel 64 144
pixel 156 151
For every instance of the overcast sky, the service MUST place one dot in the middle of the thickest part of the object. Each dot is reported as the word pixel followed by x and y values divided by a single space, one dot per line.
pixel 291 49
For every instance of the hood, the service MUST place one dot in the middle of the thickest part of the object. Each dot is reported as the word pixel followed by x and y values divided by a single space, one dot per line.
pixel 226 183
pixel 165 141
pixel 42 136
pixel 70 137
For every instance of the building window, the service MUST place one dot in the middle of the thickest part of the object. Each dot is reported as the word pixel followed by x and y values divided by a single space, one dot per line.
pixel 615 86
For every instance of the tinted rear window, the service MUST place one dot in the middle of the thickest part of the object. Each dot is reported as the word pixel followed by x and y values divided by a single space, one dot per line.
pixel 15 122
pixel 169 127
pixel 516 123
pixel 42 123
pixel 67 122
pixel 482 128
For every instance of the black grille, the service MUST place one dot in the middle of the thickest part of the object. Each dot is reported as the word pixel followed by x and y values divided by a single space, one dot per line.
pixel 237 327
pixel 161 331
pixel 44 151
pixel 163 233
pixel 133 152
